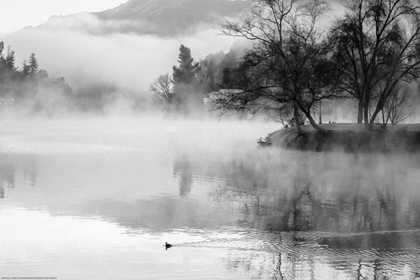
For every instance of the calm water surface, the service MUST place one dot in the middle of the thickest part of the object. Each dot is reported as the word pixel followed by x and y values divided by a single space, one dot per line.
pixel 97 199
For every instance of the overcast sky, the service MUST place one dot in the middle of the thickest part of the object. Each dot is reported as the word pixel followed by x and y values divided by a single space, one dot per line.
pixel 17 14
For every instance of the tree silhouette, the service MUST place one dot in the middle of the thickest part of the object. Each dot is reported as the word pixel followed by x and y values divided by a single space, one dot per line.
pixel 33 65
pixel 10 60
pixel 376 47
pixel 25 69
pixel 162 88
pixel 288 65
pixel 186 89
pixel 7 63
pixel 186 72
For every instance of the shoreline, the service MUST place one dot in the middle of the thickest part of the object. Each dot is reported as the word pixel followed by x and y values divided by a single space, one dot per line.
pixel 349 137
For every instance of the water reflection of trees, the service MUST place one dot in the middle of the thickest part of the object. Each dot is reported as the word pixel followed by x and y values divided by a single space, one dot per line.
pixel 7 171
pixel 318 196
pixel 297 260
pixel 10 164
pixel 188 168
pixel 182 168
pixel 359 204
pixel 30 168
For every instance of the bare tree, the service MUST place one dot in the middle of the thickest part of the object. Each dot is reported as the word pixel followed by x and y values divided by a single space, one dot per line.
pixel 162 89
pixel 399 106
pixel 288 64
pixel 376 44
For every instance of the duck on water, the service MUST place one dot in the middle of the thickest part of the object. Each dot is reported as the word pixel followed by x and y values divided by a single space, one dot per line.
pixel 167 245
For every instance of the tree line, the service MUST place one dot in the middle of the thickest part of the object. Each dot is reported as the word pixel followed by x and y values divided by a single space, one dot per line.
pixel 27 85
pixel 370 54
pixel 33 91
pixel 8 70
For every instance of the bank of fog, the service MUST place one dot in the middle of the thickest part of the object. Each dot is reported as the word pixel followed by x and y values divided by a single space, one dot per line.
pixel 364 191
pixel 101 73
pixel 236 142
pixel 320 187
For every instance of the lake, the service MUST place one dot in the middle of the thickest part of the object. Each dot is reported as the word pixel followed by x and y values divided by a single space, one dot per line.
pixel 98 199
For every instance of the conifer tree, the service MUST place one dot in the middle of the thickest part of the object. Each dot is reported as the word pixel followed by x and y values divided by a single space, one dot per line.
pixel 25 69
pixel 10 60
pixel 1 53
pixel 2 60
pixel 187 69
pixel 185 81
pixel 33 65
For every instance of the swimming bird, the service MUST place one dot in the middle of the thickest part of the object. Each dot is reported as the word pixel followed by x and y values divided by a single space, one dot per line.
pixel 167 245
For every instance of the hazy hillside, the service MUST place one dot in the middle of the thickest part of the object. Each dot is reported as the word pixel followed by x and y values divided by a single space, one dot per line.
pixel 171 17
pixel 168 18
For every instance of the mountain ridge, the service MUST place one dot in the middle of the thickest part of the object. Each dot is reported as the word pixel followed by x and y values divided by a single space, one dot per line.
pixel 173 17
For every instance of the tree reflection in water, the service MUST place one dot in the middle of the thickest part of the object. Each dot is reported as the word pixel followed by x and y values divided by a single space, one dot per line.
pixel 7 171
pixel 358 214
pixel 10 164
pixel 182 169
pixel 2 192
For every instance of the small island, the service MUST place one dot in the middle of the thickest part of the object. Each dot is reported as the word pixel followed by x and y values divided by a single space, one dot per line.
pixel 350 137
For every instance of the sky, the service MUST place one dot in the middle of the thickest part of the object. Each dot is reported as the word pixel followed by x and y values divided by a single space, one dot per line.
pixel 17 14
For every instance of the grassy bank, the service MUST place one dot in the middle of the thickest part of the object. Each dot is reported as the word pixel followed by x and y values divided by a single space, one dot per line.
pixel 350 137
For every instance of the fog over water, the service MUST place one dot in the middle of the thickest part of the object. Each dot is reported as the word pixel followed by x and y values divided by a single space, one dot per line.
pixel 96 194
pixel 98 197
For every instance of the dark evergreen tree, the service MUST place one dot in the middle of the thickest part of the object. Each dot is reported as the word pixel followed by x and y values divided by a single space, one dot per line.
pixel 2 61
pixel 26 69
pixel 33 65
pixel 10 60
pixel 186 85
pixel 186 72
pixel 7 64
pixel 1 53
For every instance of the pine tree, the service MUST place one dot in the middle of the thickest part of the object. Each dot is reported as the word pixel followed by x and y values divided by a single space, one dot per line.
pixel 25 69
pixel 186 72
pixel 33 65
pixel 7 64
pixel 2 59
pixel 10 60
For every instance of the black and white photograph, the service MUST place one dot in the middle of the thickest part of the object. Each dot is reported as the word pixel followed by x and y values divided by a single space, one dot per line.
pixel 210 139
